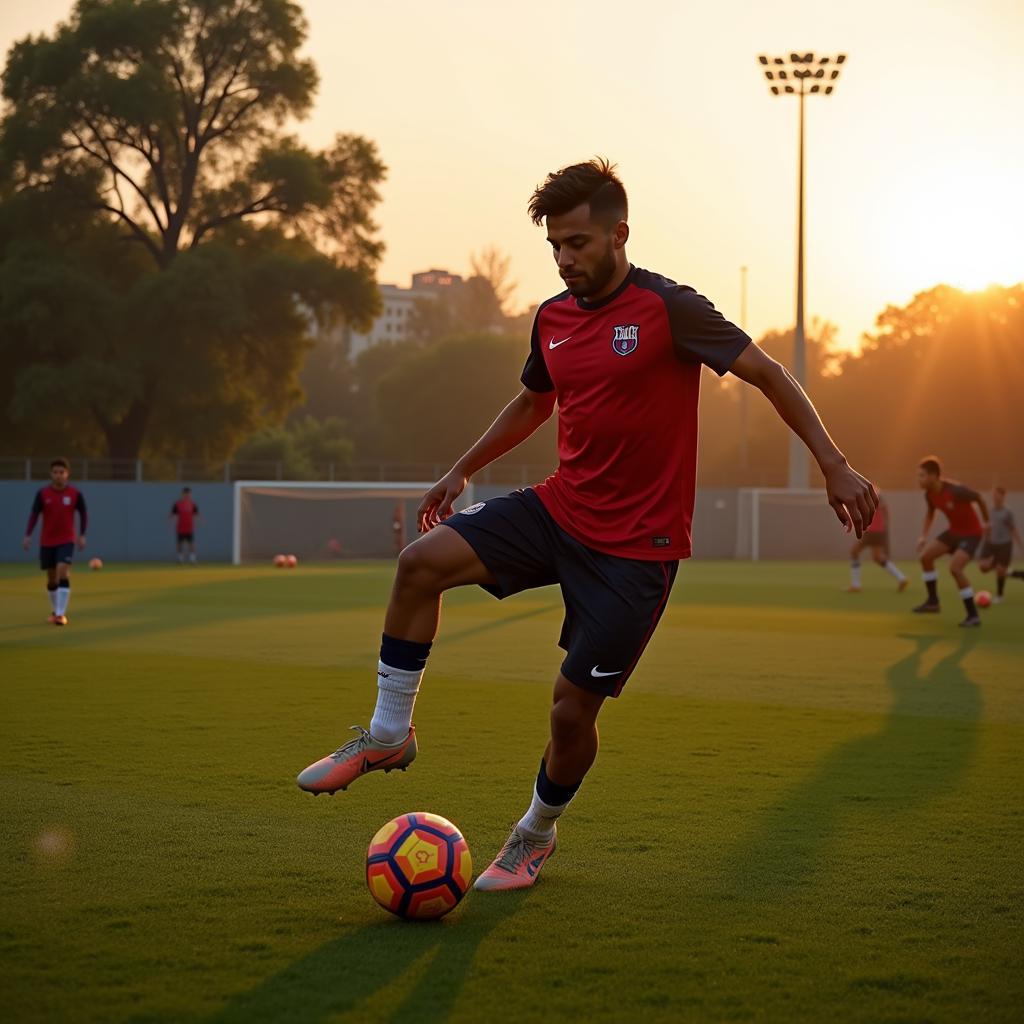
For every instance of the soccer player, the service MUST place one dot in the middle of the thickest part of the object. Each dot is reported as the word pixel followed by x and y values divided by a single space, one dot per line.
pixel 876 537
pixel 186 512
pixel 57 503
pixel 960 541
pixel 620 351
pixel 997 551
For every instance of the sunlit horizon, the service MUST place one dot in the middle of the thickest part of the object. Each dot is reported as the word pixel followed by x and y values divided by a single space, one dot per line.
pixel 913 169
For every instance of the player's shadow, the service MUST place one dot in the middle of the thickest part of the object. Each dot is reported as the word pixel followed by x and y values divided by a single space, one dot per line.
pixel 362 964
pixel 922 752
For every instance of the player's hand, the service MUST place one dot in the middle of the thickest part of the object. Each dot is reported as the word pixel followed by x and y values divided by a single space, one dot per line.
pixel 852 497
pixel 436 505
pixel 27 543
pixel 81 543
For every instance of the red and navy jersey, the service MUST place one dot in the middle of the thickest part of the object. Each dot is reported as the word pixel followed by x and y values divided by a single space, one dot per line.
pixel 878 522
pixel 626 373
pixel 186 510
pixel 955 501
pixel 58 510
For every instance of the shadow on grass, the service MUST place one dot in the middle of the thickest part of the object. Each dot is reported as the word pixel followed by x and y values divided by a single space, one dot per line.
pixel 922 752
pixel 359 966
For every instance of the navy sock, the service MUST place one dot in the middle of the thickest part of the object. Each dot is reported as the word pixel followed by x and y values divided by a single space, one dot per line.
pixel 550 792
pixel 933 591
pixel 407 655
pixel 969 605
pixel 1000 585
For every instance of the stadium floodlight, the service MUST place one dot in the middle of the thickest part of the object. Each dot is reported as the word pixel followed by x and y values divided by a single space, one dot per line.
pixel 802 67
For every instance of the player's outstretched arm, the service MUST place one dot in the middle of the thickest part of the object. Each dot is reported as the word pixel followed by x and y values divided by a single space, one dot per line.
pixel 33 516
pixel 515 423
pixel 852 497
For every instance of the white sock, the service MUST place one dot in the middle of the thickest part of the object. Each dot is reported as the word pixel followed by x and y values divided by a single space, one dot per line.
pixel 396 697
pixel 538 823
pixel 930 576
pixel 855 574
pixel 63 596
pixel 192 558
pixel 893 570
pixel 967 592
pixel 52 594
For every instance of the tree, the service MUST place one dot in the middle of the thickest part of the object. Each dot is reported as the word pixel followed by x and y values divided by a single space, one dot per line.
pixel 163 119
pixel 439 399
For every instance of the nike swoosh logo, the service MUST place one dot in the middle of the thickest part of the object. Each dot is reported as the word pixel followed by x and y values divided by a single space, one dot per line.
pixel 534 866
pixel 597 675
pixel 554 344
pixel 368 764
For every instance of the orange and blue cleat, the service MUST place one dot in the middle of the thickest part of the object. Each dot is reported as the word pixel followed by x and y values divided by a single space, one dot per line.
pixel 357 757
pixel 517 865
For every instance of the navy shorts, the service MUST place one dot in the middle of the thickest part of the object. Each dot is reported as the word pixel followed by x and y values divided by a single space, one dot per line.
pixel 956 542
pixel 51 557
pixel 1001 554
pixel 185 537
pixel 612 605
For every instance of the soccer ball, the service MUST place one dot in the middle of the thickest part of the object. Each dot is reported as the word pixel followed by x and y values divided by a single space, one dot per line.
pixel 982 598
pixel 95 564
pixel 291 561
pixel 418 866
pixel 280 561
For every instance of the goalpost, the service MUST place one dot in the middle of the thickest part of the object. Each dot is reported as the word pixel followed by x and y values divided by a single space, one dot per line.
pixel 779 523
pixel 318 520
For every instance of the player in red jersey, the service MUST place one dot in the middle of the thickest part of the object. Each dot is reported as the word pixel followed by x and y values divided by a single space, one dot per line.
pixel 961 540
pixel 57 504
pixel 185 512
pixel 620 351
pixel 876 537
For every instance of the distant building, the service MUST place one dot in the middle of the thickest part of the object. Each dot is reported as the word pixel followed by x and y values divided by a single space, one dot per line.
pixel 393 323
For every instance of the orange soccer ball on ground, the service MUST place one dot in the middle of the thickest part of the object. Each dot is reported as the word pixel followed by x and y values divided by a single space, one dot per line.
pixel 982 598
pixel 418 866
pixel 291 561
pixel 280 561
pixel 95 564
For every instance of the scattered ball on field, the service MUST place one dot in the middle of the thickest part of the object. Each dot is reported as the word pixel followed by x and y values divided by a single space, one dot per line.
pixel 95 564
pixel 280 561
pixel 982 598
pixel 418 866
pixel 291 561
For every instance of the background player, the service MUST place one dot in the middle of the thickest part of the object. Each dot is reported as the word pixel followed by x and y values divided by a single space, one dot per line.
pixel 960 540
pixel 997 552
pixel 186 512
pixel 57 503
pixel 876 537
pixel 621 351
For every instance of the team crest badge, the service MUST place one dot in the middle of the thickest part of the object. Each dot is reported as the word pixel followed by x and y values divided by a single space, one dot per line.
pixel 626 338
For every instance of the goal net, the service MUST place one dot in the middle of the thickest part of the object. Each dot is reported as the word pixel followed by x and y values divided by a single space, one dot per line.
pixel 318 521
pixel 776 523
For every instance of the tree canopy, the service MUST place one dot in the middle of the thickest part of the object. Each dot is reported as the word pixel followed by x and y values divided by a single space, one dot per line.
pixel 164 242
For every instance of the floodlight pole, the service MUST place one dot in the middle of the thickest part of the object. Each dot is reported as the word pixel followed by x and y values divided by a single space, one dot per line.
pixel 799 468
pixel 743 390
pixel 789 77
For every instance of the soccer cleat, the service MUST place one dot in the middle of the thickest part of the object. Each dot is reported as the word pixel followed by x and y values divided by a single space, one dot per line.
pixel 52 620
pixel 517 865
pixel 970 621
pixel 997 599
pixel 928 606
pixel 60 620
pixel 357 757
pixel 852 589
pixel 902 585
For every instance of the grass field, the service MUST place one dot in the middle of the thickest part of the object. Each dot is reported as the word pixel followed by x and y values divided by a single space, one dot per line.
pixel 809 806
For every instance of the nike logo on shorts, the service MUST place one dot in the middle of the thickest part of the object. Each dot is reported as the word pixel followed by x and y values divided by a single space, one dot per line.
pixel 597 674
pixel 554 344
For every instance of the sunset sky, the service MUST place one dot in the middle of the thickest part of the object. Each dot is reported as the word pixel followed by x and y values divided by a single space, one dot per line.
pixel 915 164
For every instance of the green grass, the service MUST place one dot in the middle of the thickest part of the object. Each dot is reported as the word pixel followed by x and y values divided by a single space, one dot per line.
pixel 808 806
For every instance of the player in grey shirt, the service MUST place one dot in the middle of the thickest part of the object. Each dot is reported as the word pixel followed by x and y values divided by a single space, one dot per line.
pixel 998 549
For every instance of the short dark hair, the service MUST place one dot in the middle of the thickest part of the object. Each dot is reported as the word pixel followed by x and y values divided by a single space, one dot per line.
pixel 931 465
pixel 60 461
pixel 594 182
pixel 186 490
pixel 999 489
